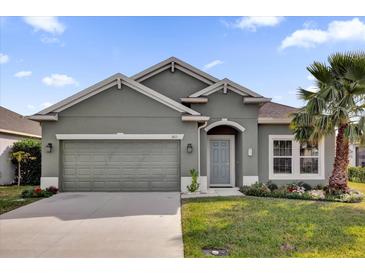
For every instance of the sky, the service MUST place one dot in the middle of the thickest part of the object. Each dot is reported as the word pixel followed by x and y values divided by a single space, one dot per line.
pixel 46 59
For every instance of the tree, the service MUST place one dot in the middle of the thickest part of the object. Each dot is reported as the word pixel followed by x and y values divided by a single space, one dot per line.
pixel 21 156
pixel 337 104
pixel 31 169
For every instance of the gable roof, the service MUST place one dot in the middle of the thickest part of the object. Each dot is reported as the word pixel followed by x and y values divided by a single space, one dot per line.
pixel 275 113
pixel 118 79
pixel 14 123
pixel 175 63
pixel 228 84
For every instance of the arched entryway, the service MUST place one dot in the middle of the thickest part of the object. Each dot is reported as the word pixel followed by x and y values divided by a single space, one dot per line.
pixel 223 157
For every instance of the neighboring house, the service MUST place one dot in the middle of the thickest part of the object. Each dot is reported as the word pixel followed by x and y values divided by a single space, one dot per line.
pixel 13 127
pixel 146 132
pixel 357 155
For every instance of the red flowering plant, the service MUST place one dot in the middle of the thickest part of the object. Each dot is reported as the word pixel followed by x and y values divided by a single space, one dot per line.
pixel 37 190
pixel 294 188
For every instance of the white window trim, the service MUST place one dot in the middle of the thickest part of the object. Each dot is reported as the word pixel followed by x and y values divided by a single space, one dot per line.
pixel 295 175
pixel 119 136
pixel 232 176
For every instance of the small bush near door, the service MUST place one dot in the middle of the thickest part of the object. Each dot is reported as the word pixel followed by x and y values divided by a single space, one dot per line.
pixel 194 186
pixel 356 174
pixel 30 169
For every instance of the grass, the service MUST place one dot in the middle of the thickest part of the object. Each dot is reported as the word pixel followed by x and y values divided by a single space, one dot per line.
pixel 10 198
pixel 271 227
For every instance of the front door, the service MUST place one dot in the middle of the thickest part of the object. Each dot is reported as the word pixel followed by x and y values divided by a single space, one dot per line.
pixel 220 169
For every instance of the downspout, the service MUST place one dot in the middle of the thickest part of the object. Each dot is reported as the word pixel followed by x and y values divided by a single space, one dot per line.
pixel 199 128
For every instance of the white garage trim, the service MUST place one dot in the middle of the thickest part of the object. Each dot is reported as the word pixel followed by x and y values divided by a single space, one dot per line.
pixel 48 182
pixel 119 136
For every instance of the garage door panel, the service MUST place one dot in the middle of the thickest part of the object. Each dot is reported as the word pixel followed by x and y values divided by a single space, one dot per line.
pixel 121 166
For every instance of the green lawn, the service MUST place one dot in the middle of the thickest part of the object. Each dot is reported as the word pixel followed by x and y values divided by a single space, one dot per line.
pixel 10 198
pixel 268 227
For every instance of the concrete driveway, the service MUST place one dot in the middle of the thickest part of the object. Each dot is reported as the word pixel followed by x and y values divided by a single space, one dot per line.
pixel 95 225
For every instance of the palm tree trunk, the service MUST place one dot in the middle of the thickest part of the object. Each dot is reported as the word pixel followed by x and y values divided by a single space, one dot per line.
pixel 338 179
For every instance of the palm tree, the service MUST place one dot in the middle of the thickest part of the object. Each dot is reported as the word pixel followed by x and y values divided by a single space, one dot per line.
pixel 337 104
pixel 21 156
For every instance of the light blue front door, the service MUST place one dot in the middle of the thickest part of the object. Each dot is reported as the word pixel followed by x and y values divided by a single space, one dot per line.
pixel 219 162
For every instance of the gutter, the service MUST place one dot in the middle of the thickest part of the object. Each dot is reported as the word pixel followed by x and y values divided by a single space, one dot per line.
pixel 199 128
pixel 19 133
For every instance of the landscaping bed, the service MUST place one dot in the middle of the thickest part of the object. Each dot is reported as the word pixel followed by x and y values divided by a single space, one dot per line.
pixel 301 191
pixel 12 197
pixel 267 227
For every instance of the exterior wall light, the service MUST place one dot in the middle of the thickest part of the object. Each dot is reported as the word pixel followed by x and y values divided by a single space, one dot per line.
pixel 49 147
pixel 189 148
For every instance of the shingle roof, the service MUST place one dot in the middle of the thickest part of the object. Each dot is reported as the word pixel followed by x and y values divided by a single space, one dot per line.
pixel 275 110
pixel 13 122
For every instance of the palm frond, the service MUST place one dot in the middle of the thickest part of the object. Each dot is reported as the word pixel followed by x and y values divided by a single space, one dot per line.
pixel 321 72
pixel 305 95
pixel 315 105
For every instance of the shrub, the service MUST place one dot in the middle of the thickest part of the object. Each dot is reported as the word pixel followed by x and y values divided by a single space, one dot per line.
pixel 356 174
pixel 295 188
pixel 52 189
pixel 271 186
pixel 27 193
pixel 257 189
pixel 298 191
pixel 352 196
pixel 194 186
pixel 30 169
pixel 37 192
pixel 306 186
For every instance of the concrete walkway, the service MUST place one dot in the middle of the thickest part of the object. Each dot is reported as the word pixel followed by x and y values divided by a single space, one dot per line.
pixel 214 192
pixel 95 225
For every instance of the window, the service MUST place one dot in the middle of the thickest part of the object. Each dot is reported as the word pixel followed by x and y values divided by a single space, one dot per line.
pixel 282 156
pixel 291 160
pixel 360 156
pixel 309 155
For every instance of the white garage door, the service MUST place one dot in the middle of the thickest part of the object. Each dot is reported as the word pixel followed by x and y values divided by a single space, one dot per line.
pixel 120 166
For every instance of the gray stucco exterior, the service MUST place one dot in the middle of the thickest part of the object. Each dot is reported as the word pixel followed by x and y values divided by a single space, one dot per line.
pixel 117 111
pixel 122 109
pixel 246 116
pixel 174 85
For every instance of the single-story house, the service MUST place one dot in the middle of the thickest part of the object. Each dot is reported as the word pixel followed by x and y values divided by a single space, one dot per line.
pixel 146 132
pixel 13 127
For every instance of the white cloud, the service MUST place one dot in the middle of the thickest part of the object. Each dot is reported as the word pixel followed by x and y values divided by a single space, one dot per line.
pixel 309 24
pixel 46 104
pixel 310 77
pixel 23 73
pixel 59 80
pixel 49 24
pixel 31 107
pixel 251 23
pixel 351 30
pixel 277 97
pixel 213 64
pixel 41 106
pixel 4 58
pixel 292 92
pixel 312 88
pixel 50 40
